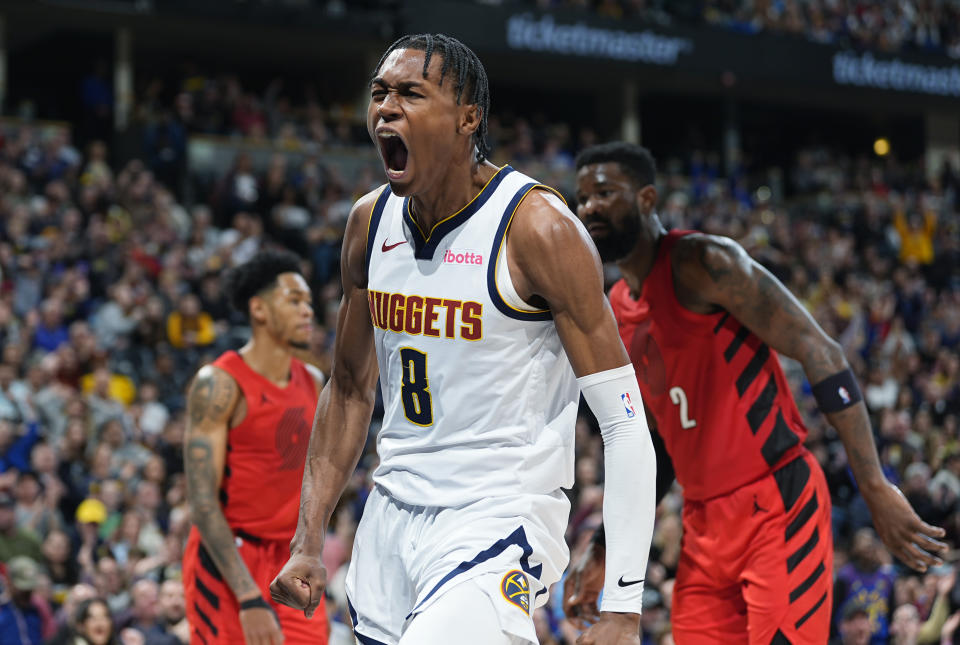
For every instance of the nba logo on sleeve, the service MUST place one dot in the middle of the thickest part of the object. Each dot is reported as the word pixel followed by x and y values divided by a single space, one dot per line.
pixel 844 395
pixel 628 405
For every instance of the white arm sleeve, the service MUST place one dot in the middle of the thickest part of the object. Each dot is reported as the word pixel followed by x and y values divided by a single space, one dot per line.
pixel 629 498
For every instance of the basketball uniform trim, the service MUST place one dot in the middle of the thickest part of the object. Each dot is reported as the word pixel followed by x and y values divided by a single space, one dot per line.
pixel 810 612
pixel 363 640
pixel 517 538
pixel 499 302
pixel 374 222
pixel 791 479
pixel 424 245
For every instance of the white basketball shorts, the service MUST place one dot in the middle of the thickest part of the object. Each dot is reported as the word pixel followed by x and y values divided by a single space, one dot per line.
pixel 407 557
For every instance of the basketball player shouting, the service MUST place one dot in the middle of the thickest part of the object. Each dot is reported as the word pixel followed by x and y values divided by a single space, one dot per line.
pixel 703 324
pixel 478 361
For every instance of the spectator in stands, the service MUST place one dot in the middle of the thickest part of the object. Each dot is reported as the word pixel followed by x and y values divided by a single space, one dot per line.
pixel 21 622
pixel 36 510
pixel 65 616
pixel 907 628
pixel 916 237
pixel 51 332
pixel 105 396
pixel 144 614
pixel 15 540
pixel 16 442
pixel 172 614
pixel 945 485
pixel 245 237
pixel 865 583
pixel 188 326
pixel 111 584
pixel 93 623
pixel 855 626
pixel 14 406
pixel 916 487
pixel 116 318
pixel 239 191
pixel 152 415
pixel 58 562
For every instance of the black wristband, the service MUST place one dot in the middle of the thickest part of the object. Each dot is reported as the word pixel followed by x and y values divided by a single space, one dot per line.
pixel 255 603
pixel 837 392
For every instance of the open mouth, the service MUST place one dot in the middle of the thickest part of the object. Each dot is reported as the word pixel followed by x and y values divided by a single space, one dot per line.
pixel 394 153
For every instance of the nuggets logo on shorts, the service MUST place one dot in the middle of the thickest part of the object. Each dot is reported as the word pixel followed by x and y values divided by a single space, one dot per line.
pixel 516 590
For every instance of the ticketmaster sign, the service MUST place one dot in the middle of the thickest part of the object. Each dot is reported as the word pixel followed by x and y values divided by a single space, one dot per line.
pixel 542 34
pixel 864 70
pixel 699 57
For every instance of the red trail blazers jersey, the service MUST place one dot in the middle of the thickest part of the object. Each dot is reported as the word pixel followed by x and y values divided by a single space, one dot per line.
pixel 266 452
pixel 717 392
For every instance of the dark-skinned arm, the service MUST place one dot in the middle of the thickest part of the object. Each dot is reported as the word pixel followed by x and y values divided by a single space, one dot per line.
pixel 211 400
pixel 212 397
pixel 557 263
pixel 710 270
pixel 340 425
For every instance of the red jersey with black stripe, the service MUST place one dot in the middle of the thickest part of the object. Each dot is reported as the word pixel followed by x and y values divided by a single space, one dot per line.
pixel 721 401
pixel 266 452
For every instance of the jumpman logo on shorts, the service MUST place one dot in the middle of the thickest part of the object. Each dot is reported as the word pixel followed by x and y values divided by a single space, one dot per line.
pixel 757 508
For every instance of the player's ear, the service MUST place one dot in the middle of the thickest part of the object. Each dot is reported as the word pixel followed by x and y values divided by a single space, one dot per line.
pixel 647 198
pixel 258 310
pixel 470 117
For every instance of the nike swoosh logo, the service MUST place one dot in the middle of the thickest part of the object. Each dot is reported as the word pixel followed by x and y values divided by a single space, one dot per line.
pixel 623 583
pixel 386 247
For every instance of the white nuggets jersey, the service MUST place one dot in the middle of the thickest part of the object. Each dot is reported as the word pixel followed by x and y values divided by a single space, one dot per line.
pixel 479 397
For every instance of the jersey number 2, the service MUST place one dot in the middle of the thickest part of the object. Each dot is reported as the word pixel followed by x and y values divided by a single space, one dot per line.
pixel 415 391
pixel 679 397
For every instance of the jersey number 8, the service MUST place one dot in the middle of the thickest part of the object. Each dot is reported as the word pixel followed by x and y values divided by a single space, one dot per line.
pixel 415 390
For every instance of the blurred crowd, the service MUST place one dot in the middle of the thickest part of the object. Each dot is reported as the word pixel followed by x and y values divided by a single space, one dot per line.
pixel 289 116
pixel 110 299
pixel 888 25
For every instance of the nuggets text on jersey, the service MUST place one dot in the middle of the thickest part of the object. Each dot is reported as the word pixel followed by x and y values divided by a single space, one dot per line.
pixel 416 315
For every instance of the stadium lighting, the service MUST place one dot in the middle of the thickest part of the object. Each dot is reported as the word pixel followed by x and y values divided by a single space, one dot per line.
pixel 881 147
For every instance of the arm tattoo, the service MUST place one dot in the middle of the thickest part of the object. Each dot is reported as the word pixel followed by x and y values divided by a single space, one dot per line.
pixel 208 516
pixel 716 271
pixel 211 396
pixel 768 309
pixel 222 396
pixel 759 301
pixel 199 398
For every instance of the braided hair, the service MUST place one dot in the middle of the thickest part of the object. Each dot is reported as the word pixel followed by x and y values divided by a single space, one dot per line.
pixel 460 61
